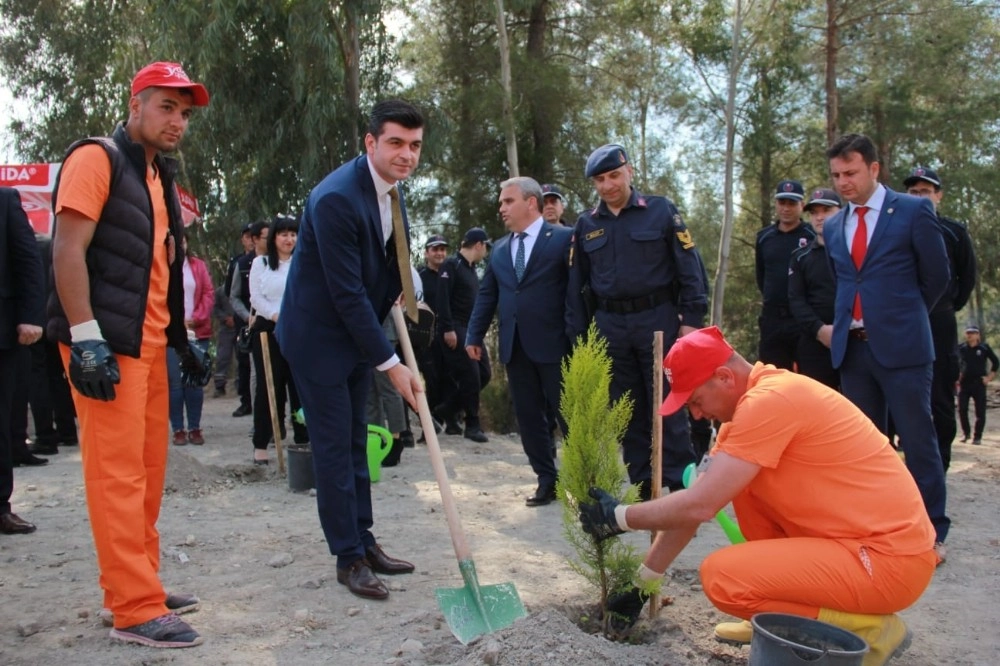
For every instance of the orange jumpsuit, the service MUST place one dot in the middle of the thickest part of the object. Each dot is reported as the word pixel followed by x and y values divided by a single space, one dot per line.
pixel 832 520
pixel 124 442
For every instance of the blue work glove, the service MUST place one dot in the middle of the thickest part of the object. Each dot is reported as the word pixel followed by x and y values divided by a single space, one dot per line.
pixel 599 520
pixel 196 367
pixel 93 369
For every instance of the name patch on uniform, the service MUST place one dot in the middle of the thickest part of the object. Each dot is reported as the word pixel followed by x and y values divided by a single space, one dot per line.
pixel 685 239
pixel 594 234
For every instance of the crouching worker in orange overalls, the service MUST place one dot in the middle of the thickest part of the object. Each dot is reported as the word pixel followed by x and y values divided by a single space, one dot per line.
pixel 835 526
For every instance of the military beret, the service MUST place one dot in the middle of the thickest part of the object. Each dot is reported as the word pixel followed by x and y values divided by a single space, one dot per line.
pixel 604 159
pixel 922 173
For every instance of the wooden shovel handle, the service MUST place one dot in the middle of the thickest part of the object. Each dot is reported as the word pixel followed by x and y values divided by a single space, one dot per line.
pixel 427 423
pixel 272 403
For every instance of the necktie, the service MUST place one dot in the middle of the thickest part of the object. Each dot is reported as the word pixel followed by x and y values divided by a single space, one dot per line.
pixel 858 248
pixel 519 258
pixel 403 256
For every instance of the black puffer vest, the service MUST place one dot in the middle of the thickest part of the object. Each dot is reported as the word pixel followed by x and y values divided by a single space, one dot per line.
pixel 120 255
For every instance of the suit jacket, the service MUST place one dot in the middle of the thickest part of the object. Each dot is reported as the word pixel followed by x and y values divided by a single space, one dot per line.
pixel 341 282
pixel 22 284
pixel 904 273
pixel 533 308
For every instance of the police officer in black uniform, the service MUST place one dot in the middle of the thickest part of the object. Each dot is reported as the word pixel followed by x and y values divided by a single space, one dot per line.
pixel 458 285
pixel 973 380
pixel 635 266
pixel 924 182
pixel 239 298
pixel 431 360
pixel 779 332
pixel 553 205
pixel 811 293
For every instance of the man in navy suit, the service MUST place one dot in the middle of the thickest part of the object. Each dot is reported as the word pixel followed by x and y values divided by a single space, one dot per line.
pixel 22 313
pixel 343 279
pixel 889 260
pixel 526 283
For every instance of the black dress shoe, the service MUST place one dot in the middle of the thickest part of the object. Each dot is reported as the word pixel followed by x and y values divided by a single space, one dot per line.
pixel 543 495
pixel 476 435
pixel 243 410
pixel 44 449
pixel 361 581
pixel 11 523
pixel 30 461
pixel 383 564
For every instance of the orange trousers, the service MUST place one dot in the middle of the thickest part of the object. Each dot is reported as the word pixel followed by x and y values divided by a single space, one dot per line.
pixel 799 576
pixel 124 448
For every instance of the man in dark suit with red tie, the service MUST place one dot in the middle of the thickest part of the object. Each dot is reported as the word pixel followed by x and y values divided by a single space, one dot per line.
pixel 889 261
pixel 525 284
pixel 343 279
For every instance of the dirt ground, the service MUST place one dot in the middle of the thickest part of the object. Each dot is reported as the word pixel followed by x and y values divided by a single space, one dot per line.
pixel 253 551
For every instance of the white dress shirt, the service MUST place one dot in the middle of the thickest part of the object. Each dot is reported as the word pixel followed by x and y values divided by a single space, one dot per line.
pixel 382 188
pixel 533 230
pixel 874 206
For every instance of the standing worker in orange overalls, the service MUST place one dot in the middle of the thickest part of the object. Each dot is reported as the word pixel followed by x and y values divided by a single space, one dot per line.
pixel 835 526
pixel 116 258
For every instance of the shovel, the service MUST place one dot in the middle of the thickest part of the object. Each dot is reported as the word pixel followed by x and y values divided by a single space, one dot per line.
pixel 728 525
pixel 472 610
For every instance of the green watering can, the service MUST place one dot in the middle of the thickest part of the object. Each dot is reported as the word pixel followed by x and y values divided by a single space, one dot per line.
pixel 379 445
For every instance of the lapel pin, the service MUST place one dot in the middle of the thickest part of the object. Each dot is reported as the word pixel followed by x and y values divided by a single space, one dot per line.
pixel 548 233
pixel 889 212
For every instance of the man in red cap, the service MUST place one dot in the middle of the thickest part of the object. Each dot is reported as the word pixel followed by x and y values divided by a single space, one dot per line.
pixel 117 261
pixel 835 527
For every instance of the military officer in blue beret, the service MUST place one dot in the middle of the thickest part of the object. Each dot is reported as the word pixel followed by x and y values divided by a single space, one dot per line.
pixel 635 269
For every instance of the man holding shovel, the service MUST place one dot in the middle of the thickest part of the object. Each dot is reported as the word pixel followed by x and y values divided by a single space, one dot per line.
pixel 835 526
pixel 343 279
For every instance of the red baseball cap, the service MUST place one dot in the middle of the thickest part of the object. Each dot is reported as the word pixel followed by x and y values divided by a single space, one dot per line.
pixel 168 75
pixel 691 362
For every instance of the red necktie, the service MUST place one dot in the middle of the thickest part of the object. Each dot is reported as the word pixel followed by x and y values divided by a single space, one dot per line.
pixel 858 248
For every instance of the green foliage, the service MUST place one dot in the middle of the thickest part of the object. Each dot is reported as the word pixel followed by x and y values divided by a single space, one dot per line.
pixel 591 458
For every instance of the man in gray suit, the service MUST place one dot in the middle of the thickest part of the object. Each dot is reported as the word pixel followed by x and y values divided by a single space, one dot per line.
pixel 525 284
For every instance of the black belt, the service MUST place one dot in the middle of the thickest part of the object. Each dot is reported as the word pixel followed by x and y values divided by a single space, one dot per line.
pixel 858 334
pixel 630 305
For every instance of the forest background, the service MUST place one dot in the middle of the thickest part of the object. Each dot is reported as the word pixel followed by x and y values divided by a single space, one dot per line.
pixel 715 101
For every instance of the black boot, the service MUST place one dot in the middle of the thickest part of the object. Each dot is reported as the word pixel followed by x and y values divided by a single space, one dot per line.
pixel 395 453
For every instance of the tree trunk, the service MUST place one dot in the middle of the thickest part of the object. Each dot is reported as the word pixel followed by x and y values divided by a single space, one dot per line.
pixel 508 107
pixel 830 82
pixel 348 35
pixel 735 64
pixel 542 110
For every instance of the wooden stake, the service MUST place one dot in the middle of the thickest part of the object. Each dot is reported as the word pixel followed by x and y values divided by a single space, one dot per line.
pixel 656 459
pixel 265 350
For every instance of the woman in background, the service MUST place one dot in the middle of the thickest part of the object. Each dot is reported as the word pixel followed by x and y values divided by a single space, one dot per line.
pixel 268 274
pixel 199 297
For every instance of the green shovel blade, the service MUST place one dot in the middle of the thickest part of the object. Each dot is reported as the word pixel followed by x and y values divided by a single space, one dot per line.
pixel 474 610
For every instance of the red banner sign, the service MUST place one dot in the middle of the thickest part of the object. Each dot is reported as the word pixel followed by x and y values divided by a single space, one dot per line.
pixel 35 182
